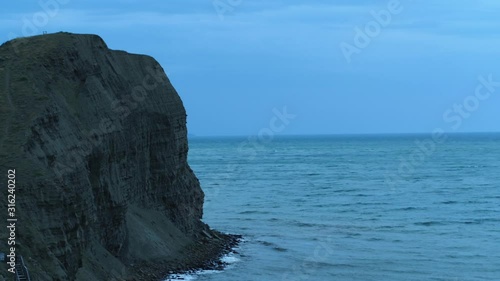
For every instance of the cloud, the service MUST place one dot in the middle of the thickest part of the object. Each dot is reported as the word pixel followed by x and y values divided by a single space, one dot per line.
pixel 285 27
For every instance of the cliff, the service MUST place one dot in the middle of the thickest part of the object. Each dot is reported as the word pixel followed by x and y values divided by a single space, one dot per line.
pixel 98 142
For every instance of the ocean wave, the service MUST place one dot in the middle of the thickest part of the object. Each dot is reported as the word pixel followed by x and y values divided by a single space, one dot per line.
pixel 228 259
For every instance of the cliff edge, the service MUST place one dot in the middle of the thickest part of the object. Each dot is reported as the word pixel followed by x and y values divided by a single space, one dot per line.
pixel 98 142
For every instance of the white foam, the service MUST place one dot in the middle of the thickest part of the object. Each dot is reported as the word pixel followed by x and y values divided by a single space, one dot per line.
pixel 209 272
pixel 229 259
pixel 185 277
pixel 188 277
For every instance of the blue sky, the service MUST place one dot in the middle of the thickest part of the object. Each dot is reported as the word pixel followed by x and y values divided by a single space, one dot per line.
pixel 235 63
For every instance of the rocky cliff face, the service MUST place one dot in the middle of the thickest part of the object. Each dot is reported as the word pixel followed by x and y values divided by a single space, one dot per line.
pixel 99 143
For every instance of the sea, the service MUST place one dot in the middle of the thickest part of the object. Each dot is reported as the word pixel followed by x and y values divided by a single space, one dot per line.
pixel 354 207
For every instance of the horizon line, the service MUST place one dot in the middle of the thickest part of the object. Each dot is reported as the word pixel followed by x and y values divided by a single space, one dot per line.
pixel 345 134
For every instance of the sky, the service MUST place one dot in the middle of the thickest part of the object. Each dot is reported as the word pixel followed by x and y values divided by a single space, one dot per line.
pixel 271 67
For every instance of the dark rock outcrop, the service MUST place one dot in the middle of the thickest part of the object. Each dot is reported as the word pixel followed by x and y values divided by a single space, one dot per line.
pixel 99 143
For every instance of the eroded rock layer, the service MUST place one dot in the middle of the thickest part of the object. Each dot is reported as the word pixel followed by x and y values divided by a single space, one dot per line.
pixel 99 143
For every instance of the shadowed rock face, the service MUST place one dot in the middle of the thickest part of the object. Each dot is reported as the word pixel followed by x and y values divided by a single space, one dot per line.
pixel 99 143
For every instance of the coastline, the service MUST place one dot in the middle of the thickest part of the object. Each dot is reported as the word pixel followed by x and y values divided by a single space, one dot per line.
pixel 204 254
